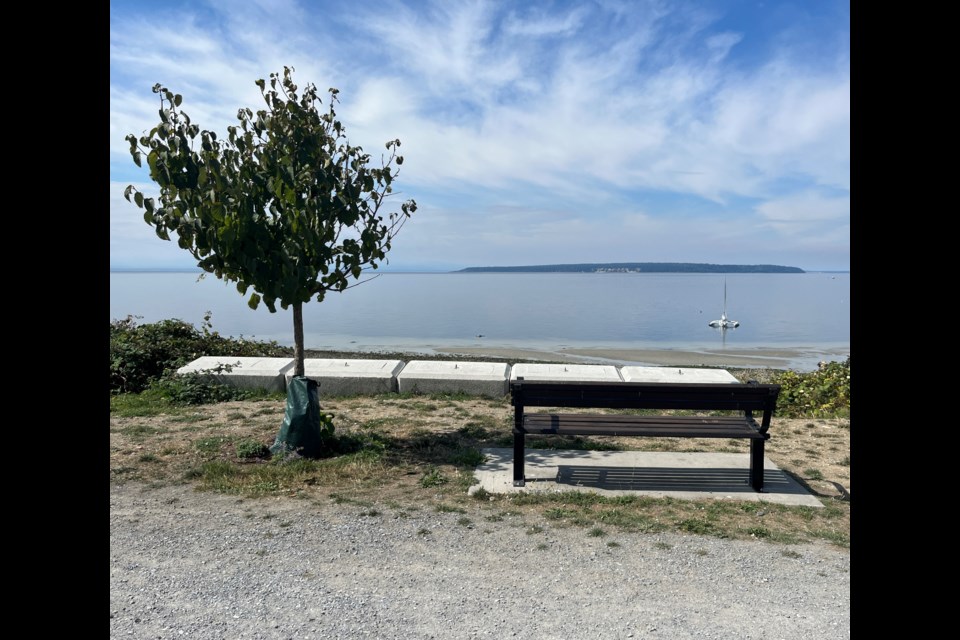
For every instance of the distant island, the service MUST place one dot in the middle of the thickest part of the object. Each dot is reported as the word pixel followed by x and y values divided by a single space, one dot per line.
pixel 638 267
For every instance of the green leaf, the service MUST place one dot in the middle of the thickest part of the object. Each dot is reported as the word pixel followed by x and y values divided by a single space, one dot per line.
pixel 272 208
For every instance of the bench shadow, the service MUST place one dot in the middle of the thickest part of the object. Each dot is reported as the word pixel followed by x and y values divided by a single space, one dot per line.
pixel 713 480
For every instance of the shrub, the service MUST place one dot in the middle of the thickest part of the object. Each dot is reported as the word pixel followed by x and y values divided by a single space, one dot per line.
pixel 824 393
pixel 143 354
pixel 201 387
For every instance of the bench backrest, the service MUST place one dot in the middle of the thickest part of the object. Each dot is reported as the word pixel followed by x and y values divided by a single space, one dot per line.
pixel 749 396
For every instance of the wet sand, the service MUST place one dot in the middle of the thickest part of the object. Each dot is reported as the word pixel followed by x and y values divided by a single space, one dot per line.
pixel 782 358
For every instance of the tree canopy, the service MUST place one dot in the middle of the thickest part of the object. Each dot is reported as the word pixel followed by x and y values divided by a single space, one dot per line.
pixel 283 206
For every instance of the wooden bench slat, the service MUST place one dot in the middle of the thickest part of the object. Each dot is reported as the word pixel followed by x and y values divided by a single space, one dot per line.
pixel 653 426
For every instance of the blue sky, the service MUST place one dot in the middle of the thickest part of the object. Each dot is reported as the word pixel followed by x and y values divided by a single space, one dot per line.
pixel 532 132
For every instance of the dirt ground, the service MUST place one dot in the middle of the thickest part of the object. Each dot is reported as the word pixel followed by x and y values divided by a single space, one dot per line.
pixel 162 448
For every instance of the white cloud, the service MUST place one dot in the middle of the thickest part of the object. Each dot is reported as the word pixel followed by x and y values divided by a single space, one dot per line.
pixel 573 110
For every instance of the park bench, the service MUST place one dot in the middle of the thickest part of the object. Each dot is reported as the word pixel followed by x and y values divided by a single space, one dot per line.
pixel 725 410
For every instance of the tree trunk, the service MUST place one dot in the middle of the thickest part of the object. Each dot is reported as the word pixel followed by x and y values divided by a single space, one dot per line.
pixel 298 369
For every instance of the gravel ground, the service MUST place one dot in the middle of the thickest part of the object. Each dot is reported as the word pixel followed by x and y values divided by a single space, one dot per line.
pixel 195 565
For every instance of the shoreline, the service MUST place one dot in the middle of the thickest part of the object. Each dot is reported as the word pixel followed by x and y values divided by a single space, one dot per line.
pixel 802 359
pixel 770 358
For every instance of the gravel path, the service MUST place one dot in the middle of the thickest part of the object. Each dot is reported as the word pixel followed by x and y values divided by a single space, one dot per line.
pixel 197 565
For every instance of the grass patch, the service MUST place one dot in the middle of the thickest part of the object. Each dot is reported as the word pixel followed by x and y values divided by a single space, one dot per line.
pixel 389 453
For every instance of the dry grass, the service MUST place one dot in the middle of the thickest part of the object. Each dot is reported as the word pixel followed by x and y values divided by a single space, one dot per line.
pixel 420 451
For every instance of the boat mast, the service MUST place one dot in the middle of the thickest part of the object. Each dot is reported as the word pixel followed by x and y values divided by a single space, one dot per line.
pixel 724 316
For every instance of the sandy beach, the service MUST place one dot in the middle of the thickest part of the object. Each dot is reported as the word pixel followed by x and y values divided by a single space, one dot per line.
pixel 801 359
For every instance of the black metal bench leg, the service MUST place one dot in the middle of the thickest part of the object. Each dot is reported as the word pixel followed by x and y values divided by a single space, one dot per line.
pixel 756 465
pixel 518 447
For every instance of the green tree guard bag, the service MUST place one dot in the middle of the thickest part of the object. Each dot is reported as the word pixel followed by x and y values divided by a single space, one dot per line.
pixel 304 430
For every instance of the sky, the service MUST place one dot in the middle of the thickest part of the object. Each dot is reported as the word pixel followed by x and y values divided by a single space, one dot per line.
pixel 532 132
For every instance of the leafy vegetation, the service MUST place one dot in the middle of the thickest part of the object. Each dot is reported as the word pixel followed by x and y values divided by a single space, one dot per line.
pixel 142 355
pixel 824 393
pixel 422 450
pixel 283 205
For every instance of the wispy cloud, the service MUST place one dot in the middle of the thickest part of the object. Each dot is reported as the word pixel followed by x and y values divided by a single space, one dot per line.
pixel 591 111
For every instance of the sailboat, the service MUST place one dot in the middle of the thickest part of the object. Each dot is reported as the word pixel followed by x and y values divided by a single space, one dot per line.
pixel 724 322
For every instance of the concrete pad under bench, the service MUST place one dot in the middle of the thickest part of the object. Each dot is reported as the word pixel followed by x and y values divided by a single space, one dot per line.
pixel 565 372
pixel 245 372
pixel 675 374
pixel 348 377
pixel 658 474
pixel 474 378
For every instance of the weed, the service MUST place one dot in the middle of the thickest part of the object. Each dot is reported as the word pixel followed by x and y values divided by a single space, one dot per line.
pixel 813 474
pixel 534 529
pixel 432 478
pixel 790 553
pixel 468 458
pixel 662 545
pixel 482 494
pixel 596 532
pixel 613 544
pixel 249 448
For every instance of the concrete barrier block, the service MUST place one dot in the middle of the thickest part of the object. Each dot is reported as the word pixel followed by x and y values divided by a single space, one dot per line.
pixel 351 377
pixel 675 374
pixel 245 372
pixel 565 372
pixel 474 378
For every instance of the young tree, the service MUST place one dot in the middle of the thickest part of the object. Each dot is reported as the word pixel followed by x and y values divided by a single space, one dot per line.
pixel 284 206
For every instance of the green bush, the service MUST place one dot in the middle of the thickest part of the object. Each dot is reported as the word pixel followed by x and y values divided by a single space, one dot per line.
pixel 201 387
pixel 824 393
pixel 141 355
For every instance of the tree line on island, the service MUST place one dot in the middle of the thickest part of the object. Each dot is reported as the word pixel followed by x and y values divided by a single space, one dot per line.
pixel 638 267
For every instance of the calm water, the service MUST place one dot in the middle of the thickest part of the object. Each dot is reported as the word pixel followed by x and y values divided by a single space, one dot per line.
pixel 424 311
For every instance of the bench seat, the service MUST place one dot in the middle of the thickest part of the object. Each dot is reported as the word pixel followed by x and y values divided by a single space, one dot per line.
pixel 590 424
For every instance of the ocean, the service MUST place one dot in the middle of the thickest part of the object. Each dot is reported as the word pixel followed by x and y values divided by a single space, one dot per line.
pixel 421 312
